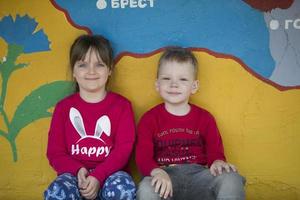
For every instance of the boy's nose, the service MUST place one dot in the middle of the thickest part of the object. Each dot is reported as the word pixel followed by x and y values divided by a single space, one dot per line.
pixel 174 83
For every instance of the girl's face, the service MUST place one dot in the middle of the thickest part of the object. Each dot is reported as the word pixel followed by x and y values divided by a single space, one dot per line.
pixel 91 73
pixel 176 82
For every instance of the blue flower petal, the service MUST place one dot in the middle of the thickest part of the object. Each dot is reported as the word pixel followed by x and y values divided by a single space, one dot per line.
pixel 40 40
pixel 22 32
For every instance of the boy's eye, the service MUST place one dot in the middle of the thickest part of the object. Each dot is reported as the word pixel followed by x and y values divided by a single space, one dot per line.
pixel 165 78
pixel 184 79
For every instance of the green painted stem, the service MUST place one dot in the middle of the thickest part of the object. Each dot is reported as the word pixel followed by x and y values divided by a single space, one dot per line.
pixel 2 100
pixel 14 150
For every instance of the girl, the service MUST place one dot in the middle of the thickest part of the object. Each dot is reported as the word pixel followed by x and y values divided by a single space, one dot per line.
pixel 92 131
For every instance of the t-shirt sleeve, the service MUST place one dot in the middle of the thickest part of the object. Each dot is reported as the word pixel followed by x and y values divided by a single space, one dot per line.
pixel 123 144
pixel 145 148
pixel 57 153
pixel 213 142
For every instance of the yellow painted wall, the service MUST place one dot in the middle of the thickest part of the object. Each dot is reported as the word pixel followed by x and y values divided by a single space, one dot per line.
pixel 260 125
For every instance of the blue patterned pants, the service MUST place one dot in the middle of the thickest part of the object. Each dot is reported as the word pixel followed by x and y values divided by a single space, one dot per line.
pixel 118 186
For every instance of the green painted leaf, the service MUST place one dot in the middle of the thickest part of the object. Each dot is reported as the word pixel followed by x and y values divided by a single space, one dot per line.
pixel 36 105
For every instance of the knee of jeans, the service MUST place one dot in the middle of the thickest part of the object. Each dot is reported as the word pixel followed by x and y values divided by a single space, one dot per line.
pixel 146 190
pixel 231 180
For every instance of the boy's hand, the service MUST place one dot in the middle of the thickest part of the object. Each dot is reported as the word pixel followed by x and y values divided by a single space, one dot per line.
pixel 81 176
pixel 218 165
pixel 162 183
pixel 92 188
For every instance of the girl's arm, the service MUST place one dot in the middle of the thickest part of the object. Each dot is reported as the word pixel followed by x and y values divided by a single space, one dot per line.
pixel 57 153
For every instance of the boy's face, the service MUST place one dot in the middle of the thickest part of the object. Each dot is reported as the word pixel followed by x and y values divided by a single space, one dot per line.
pixel 175 82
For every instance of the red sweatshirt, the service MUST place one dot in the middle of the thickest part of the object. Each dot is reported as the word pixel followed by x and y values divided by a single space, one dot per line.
pixel 98 136
pixel 165 139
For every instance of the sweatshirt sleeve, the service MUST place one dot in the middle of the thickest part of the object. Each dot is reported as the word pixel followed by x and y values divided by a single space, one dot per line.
pixel 57 153
pixel 123 144
pixel 144 148
pixel 214 145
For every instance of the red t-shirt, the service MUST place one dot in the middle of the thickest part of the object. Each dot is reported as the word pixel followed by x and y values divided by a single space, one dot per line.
pixel 98 136
pixel 165 139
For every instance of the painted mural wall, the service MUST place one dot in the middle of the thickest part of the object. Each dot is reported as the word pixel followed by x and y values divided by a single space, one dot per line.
pixel 249 55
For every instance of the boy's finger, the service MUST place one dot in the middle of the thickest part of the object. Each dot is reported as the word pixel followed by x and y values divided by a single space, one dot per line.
pixel 162 189
pixel 153 181
pixel 220 169
pixel 212 171
pixel 168 191
pixel 157 186
pixel 227 168
pixel 233 167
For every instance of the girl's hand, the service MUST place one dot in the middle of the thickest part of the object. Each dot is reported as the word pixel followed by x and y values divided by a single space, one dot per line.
pixel 218 165
pixel 81 176
pixel 92 189
pixel 162 183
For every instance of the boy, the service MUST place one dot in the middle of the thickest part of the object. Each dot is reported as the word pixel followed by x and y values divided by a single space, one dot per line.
pixel 179 149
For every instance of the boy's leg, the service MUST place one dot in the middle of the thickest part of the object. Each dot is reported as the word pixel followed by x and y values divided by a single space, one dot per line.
pixel 179 185
pixel 63 187
pixel 146 190
pixel 227 186
pixel 118 186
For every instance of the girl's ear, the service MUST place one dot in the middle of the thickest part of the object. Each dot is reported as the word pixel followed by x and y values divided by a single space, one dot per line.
pixel 195 86
pixel 156 85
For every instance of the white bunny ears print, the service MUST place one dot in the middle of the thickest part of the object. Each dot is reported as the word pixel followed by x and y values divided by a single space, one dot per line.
pixel 102 125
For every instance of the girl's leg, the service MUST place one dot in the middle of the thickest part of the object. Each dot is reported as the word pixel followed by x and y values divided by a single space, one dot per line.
pixel 118 186
pixel 63 187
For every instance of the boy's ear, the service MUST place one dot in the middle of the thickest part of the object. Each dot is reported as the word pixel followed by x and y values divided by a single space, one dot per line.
pixel 195 86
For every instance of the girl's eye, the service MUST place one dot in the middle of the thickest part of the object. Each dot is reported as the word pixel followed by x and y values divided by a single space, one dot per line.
pixel 165 78
pixel 100 65
pixel 183 79
pixel 81 65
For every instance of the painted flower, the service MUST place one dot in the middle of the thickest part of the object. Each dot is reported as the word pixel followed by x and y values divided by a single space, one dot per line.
pixel 21 31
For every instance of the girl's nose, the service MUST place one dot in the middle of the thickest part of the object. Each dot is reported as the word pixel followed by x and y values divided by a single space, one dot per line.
pixel 91 69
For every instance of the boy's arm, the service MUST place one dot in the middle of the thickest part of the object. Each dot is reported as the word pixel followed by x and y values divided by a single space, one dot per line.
pixel 213 142
pixel 145 148
pixel 57 153
pixel 122 148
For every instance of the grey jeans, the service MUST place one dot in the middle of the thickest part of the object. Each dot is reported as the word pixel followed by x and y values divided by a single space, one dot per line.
pixel 194 182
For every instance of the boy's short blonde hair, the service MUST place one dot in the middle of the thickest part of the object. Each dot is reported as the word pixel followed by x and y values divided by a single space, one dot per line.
pixel 180 55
